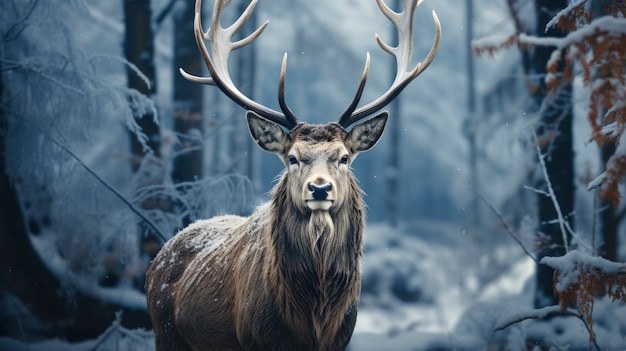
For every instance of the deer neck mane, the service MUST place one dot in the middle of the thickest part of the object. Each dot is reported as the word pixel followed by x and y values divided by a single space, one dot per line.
pixel 322 240
pixel 315 258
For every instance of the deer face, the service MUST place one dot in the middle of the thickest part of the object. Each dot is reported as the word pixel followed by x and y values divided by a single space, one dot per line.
pixel 317 157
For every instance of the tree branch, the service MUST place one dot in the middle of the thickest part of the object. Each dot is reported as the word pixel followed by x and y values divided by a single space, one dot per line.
pixel 551 193
pixel 506 226
pixel 132 207
pixel 543 313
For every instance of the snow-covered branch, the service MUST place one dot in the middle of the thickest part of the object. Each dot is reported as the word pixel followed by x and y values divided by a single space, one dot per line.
pixel 596 182
pixel 112 189
pixel 568 264
pixel 507 228
pixel 543 313
pixel 579 278
pixel 567 10
pixel 606 24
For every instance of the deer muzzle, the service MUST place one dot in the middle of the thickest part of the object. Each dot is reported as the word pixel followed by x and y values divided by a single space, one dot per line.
pixel 319 195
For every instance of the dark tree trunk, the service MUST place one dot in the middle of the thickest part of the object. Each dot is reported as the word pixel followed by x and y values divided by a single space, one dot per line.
pixel 139 50
pixel 555 138
pixel 609 218
pixel 188 122
pixel 187 99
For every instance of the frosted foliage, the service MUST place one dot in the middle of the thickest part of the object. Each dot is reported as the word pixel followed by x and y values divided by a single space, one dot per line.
pixel 190 201
pixel 116 337
pixel 54 90
pixel 68 119
pixel 54 95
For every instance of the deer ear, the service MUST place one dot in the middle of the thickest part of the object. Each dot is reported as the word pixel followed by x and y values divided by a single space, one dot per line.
pixel 269 135
pixel 365 135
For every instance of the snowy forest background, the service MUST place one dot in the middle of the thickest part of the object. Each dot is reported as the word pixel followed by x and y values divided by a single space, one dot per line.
pixel 503 164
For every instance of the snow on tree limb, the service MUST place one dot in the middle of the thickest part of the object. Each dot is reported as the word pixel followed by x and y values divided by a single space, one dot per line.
pixel 598 47
pixel 542 313
pixel 607 24
pixel 597 181
pixel 564 12
pixel 579 278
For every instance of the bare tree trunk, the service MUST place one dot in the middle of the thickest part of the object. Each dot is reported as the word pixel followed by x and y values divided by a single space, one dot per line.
pixel 188 123
pixel 139 50
pixel 393 166
pixel 555 138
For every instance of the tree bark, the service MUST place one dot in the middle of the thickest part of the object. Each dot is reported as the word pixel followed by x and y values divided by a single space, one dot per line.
pixel 188 122
pixel 608 217
pixel 139 50
pixel 555 139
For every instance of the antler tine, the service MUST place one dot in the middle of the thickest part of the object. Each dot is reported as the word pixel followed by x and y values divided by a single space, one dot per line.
pixel 403 21
pixel 281 93
pixel 347 113
pixel 217 63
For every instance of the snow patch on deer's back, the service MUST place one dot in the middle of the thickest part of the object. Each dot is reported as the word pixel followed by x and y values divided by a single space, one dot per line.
pixel 203 233
pixel 200 266
pixel 208 238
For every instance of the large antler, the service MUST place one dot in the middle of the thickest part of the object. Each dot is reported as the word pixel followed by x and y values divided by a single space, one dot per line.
pixel 217 61
pixel 403 22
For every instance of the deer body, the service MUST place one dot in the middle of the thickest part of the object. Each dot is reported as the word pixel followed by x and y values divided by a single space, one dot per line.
pixel 233 292
pixel 288 276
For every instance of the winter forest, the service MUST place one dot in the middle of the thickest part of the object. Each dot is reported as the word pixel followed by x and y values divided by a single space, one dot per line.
pixel 496 217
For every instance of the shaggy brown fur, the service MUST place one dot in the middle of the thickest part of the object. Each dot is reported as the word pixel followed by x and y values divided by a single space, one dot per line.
pixel 285 278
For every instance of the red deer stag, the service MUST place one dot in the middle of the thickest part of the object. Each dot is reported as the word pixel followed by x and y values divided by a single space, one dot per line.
pixel 288 276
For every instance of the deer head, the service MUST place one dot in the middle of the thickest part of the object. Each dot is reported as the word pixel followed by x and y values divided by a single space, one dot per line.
pixel 319 157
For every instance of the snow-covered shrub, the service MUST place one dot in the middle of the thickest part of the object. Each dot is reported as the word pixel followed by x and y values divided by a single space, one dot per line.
pixel 579 278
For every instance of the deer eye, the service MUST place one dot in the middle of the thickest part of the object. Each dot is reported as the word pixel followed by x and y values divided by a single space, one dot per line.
pixel 344 160
pixel 293 160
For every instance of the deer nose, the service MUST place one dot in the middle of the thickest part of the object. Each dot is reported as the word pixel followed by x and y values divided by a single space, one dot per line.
pixel 319 192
